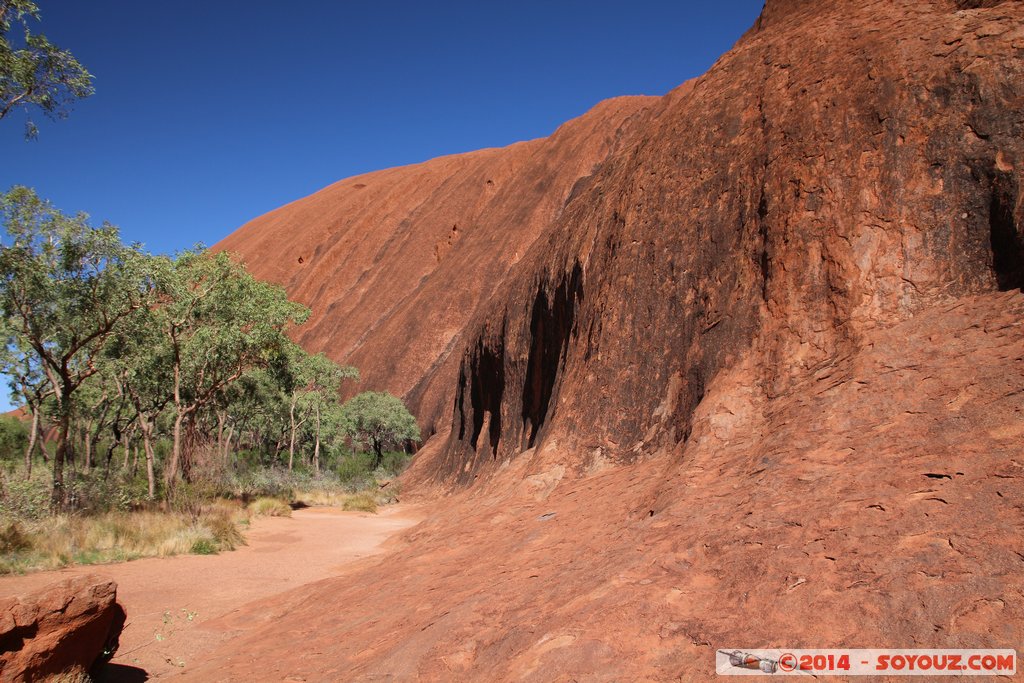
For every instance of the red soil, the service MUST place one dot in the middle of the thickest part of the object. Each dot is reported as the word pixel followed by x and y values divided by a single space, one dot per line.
pixel 181 607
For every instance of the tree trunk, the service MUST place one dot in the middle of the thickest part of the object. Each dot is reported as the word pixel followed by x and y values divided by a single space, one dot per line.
pixel 171 473
pixel 316 448
pixel 31 444
pixel 41 443
pixel 227 442
pixel 220 431
pixel 147 442
pixel 58 498
pixel 111 447
pixel 291 441
pixel 378 454
pixel 87 437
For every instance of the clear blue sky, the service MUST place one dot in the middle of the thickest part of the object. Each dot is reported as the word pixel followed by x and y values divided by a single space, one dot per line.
pixel 209 113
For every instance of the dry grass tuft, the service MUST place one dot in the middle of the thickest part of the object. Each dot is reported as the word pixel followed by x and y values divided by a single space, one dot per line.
pixel 64 540
pixel 270 507
pixel 332 497
pixel 364 501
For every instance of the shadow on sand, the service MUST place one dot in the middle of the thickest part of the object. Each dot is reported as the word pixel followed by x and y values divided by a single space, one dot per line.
pixel 119 673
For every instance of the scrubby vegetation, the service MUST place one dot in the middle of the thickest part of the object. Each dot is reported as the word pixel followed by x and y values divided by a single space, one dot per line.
pixel 59 540
pixel 115 521
pixel 153 389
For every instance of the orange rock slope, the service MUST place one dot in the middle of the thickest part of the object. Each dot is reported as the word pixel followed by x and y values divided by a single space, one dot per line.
pixel 756 380
pixel 394 263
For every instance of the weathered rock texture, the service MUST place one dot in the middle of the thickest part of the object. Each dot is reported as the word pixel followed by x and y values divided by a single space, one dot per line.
pixel 758 383
pixel 66 628
pixel 843 168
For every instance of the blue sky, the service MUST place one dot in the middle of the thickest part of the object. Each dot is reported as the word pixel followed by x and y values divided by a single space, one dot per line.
pixel 207 114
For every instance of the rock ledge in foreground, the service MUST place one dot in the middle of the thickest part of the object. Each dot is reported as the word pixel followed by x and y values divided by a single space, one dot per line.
pixel 69 626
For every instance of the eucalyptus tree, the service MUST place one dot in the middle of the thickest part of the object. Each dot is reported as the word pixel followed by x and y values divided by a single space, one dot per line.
pixel 323 387
pixel 65 287
pixel 253 413
pixel 378 420
pixel 219 323
pixel 312 383
pixel 33 71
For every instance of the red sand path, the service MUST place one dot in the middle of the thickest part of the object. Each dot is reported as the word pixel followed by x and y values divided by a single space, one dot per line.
pixel 180 607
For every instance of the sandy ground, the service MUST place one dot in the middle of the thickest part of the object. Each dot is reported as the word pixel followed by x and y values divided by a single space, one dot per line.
pixel 179 607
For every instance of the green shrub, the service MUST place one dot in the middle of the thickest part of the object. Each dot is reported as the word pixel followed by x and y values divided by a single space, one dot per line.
pixel 13 438
pixel 26 499
pixel 204 546
pixel 394 462
pixel 356 469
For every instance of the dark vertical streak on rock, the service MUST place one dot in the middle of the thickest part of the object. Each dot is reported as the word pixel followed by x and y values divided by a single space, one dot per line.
pixel 551 326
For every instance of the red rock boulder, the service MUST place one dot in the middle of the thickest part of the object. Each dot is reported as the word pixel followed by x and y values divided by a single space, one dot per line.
pixel 67 627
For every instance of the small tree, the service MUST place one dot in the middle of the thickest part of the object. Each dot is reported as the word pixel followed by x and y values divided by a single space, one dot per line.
pixel 378 420
pixel 38 73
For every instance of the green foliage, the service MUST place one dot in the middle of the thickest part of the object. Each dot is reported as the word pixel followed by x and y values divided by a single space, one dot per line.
pixel 357 468
pixel 360 469
pixel 65 287
pixel 220 321
pixel 139 365
pixel 96 492
pixel 204 546
pixel 13 438
pixel 38 73
pixel 25 499
pixel 394 462
pixel 378 420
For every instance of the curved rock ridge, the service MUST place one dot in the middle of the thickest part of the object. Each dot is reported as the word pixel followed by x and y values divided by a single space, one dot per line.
pixel 394 263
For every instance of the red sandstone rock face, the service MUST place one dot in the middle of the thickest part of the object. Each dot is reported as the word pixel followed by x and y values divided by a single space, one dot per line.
pixel 846 166
pixel 764 368
pixel 65 628
pixel 394 263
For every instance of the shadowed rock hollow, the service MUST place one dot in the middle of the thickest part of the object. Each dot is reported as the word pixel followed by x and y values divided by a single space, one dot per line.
pixel 756 380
